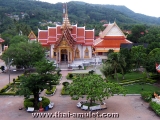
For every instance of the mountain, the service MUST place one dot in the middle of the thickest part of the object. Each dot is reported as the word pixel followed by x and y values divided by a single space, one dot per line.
pixel 36 14
pixel 136 16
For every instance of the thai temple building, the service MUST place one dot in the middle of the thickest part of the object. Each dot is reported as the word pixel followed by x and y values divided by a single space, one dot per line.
pixel 75 45
pixel 1 41
pixel 67 43
pixel 110 38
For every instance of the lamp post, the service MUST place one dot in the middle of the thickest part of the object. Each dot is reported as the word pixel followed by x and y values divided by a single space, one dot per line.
pixel 41 108
pixel 95 63
pixel 9 64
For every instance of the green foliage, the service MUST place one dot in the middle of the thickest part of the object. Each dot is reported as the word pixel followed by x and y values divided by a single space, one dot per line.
pixel 49 92
pixel 17 39
pixel 155 107
pixel 70 75
pixel 91 71
pixel 4 88
pixel 137 88
pixel 45 102
pixel 37 13
pixel 24 54
pixel 146 96
pixel 28 103
pixel 139 55
pixel 94 87
pixel 117 62
pixel 64 91
pixel 65 84
pixel 136 34
pixel 33 83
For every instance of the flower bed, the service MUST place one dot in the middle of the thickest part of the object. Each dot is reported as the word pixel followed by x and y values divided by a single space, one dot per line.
pixel 51 92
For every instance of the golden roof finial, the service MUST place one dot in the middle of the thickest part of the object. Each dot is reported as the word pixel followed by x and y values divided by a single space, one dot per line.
pixel 66 21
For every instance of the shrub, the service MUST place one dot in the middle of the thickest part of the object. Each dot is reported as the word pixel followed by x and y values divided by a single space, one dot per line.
pixel 75 98
pixel 65 84
pixel 146 96
pixel 45 102
pixel 49 92
pixel 91 72
pixel 71 76
pixel 155 107
pixel 28 103
pixel 79 66
pixel 4 88
pixel 64 92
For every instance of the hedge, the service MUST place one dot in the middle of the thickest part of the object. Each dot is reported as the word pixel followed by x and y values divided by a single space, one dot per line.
pixel 155 107
pixel 49 92
pixel 29 102
pixel 146 96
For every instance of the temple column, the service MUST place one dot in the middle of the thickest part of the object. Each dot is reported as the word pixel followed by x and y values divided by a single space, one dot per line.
pixel 68 55
pixel 56 56
pixel 71 56
pixel 59 56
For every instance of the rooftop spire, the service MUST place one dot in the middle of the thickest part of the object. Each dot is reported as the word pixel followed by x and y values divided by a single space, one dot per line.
pixel 66 21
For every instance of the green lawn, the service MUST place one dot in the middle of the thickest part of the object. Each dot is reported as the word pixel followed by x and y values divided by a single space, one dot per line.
pixel 137 88
pixel 128 76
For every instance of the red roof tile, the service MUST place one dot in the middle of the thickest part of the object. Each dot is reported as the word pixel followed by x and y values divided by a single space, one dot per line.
pixel 89 34
pixel 52 32
pixel 43 35
pixel 80 32
pixel 111 43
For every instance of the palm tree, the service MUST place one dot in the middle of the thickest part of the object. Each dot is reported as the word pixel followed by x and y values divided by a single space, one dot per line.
pixel 117 62
pixel 107 70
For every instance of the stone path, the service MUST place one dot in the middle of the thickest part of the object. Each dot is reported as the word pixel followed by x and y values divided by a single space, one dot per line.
pixel 128 107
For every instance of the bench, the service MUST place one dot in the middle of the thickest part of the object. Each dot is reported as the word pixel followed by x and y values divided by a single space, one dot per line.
pixel 51 105
pixel 97 107
pixel 84 107
pixel 30 109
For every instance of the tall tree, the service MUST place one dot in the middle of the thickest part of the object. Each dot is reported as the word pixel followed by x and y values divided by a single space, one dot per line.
pixel 33 83
pixel 139 55
pixel 24 54
pixel 138 31
pixel 94 87
pixel 128 59
pixel 117 61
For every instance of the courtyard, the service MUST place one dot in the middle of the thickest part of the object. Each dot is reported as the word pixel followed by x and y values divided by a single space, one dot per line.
pixel 129 107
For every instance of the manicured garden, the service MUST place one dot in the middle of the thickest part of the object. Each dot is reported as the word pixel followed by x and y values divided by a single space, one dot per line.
pixel 139 88
pixel 134 82
pixel 12 88
pixel 154 101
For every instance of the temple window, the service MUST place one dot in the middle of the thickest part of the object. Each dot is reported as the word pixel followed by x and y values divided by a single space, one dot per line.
pixel 86 53
pixel 99 53
pixel 77 53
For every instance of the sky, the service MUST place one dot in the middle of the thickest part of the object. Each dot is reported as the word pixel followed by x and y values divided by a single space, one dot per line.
pixel 147 7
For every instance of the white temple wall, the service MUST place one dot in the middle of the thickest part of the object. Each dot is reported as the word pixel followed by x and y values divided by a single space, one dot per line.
pixel 51 50
pixel 0 49
pixel 90 51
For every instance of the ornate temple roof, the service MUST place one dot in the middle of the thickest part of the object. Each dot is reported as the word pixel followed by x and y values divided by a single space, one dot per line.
pixel 112 37
pixel 32 36
pixel 73 33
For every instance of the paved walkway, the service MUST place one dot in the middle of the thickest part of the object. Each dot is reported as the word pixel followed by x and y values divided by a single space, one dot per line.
pixel 128 107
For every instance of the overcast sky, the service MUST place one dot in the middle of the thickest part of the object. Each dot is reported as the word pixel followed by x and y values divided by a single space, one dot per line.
pixel 147 7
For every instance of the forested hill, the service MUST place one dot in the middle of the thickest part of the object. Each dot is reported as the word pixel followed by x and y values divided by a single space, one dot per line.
pixel 33 14
pixel 136 16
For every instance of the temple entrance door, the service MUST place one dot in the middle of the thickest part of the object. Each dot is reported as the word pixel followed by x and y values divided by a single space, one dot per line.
pixel 64 56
